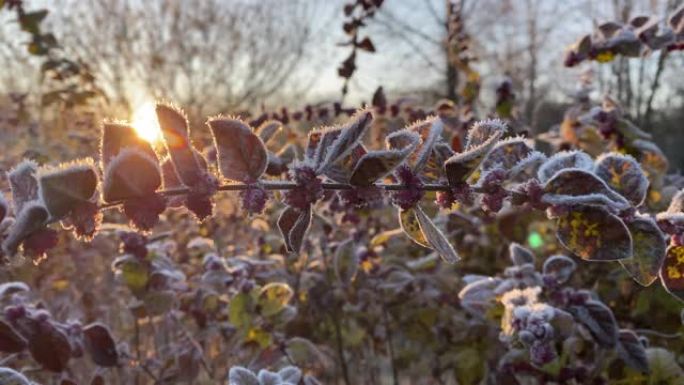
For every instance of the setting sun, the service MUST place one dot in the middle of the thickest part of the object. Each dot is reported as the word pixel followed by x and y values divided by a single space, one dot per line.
pixel 145 122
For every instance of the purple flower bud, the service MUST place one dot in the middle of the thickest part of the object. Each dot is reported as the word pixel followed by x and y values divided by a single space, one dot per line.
pixel 13 313
pixel 39 242
pixel 459 193
pixel 358 197
pixel 254 199
pixel 247 286
pixel 413 192
pixel 41 316
pixel 541 353
pixel 134 243
pixel 309 188
pixel 526 337
pixel 86 219
pixel 143 212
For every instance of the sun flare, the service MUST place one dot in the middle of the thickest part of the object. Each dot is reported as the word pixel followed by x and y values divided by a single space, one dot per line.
pixel 145 123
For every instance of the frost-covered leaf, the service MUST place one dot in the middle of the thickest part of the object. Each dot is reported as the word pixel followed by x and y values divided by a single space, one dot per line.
pixel 461 166
pixel 132 173
pixel 319 140
pixel 117 137
pixel 430 131
pixel 31 218
pixel 11 377
pixel 342 170
pixel 507 153
pixel 520 255
pixel 652 159
pixel 562 160
pixel 675 211
pixel 268 129
pixel 64 187
pixel 559 268
pixel 9 288
pixel 664 367
pixel 10 340
pixel 441 152
pixel 631 131
pixel 159 302
pixel 240 152
pixel 346 262
pixel 409 223
pixel 672 271
pixel 397 280
pixel 349 136
pixel 608 29
pixel 266 377
pixel 377 164
pixel 579 187
pixel 479 296
pixel 632 351
pixel 100 345
pixel 50 347
pixel 241 376
pixel 290 375
pixel 176 132
pixel 594 234
pixel 483 131
pixel 563 323
pixel 273 297
pixel 649 250
pixel 527 168
pixel 293 225
pixel 624 175
pixel 303 352
pixel 600 321
pixel 24 185
pixel 435 237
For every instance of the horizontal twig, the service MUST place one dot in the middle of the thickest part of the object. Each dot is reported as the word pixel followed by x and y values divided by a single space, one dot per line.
pixel 287 185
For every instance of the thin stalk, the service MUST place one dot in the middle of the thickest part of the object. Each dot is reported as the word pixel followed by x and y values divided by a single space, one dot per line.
pixel 340 349
pixel 390 346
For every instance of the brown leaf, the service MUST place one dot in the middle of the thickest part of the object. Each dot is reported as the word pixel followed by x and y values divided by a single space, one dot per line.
pixel 50 347
pixel 436 238
pixel 131 174
pixel 118 136
pixel 672 272
pixel 293 225
pixel 100 345
pixel 377 164
pixel 241 153
pixel 64 187
pixel 174 126
pixel 10 340
pixel 594 234
pixel 366 44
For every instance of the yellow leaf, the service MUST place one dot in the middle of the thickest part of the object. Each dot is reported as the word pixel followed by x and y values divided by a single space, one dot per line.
pixel 273 297
pixel 411 226
pixel 605 57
